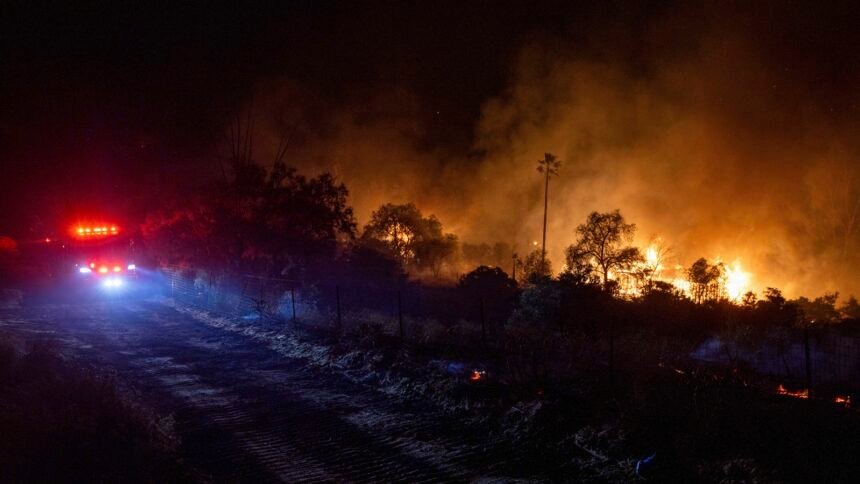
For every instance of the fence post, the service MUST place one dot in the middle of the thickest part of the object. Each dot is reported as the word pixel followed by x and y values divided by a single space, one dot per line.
pixel 293 301
pixel 400 313
pixel 611 351
pixel 261 305
pixel 808 361
pixel 337 299
pixel 483 322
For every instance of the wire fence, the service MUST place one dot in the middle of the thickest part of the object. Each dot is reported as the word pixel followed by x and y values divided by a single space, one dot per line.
pixel 468 326
pixel 427 316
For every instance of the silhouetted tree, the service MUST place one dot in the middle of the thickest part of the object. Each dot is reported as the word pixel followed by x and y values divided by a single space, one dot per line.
pixel 706 280
pixel 536 266
pixel 601 246
pixel 775 297
pixel 821 310
pixel 549 166
pixel 433 252
pixel 494 289
pixel 417 241
pixel 775 310
pixel 851 308
pixel 271 223
pixel 652 263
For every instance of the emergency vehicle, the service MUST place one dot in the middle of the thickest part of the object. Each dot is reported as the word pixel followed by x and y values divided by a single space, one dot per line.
pixel 101 254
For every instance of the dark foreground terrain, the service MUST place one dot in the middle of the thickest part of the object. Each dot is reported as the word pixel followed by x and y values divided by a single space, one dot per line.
pixel 144 390
pixel 244 412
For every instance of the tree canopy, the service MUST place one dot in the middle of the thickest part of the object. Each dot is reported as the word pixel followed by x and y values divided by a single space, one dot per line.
pixel 418 242
pixel 602 246
pixel 273 221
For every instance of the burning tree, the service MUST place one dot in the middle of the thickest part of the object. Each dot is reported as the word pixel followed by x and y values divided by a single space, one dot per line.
pixel 602 247
pixel 652 264
pixel 707 281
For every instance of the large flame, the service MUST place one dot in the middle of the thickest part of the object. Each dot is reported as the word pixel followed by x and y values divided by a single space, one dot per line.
pixel 652 258
pixel 737 281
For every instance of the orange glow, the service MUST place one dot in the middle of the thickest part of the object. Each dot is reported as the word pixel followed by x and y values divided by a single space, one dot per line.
pixel 843 400
pixel 804 394
pixel 92 265
pixel 117 268
pixel 476 375
pixel 103 270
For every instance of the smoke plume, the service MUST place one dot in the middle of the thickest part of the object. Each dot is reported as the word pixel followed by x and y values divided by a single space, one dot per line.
pixel 732 135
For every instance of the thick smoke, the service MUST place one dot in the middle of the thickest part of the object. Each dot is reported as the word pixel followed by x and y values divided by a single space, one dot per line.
pixel 731 136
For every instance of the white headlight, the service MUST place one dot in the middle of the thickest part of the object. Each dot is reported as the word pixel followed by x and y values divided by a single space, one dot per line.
pixel 112 282
pixel 84 270
pixel 132 267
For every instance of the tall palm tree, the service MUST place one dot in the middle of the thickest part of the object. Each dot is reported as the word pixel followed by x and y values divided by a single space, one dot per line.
pixel 549 166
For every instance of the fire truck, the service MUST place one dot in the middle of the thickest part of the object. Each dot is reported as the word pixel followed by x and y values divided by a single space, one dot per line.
pixel 100 254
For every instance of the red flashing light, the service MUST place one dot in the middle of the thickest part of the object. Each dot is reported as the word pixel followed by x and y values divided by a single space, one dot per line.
pixel 82 231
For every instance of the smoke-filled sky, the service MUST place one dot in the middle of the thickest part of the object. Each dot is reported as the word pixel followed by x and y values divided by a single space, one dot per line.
pixel 730 130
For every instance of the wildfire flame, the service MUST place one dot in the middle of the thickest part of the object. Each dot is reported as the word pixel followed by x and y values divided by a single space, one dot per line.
pixel 737 280
pixel 733 282
pixel 652 258
pixel 804 394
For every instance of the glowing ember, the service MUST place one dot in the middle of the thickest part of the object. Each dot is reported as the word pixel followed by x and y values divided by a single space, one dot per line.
pixel 477 375
pixel 843 400
pixel 796 394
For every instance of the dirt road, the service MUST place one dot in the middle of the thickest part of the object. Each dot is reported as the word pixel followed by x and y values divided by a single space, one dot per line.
pixel 246 413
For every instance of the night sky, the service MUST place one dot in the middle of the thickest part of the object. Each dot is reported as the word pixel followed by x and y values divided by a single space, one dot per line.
pixel 100 96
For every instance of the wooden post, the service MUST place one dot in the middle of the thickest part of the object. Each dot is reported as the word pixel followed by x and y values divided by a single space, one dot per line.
pixel 337 299
pixel 483 322
pixel 400 313
pixel 611 352
pixel 808 361
pixel 293 300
